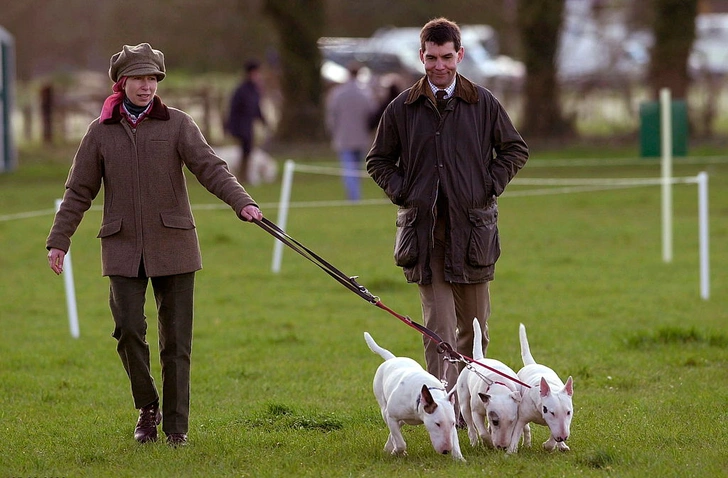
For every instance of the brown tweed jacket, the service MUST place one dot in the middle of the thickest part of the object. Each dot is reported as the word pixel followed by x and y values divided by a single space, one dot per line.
pixel 147 214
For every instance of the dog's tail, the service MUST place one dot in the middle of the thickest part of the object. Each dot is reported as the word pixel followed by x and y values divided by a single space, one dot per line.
pixel 525 349
pixel 384 353
pixel 477 340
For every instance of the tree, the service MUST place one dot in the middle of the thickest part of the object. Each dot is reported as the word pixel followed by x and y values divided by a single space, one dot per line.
pixel 674 31
pixel 299 23
pixel 539 24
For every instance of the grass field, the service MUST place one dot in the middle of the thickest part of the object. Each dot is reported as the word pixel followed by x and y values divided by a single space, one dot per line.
pixel 281 378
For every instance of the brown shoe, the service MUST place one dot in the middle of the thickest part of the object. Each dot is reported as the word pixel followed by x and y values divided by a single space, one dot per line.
pixel 146 427
pixel 176 439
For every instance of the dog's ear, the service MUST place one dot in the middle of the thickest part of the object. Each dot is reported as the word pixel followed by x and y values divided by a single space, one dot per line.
pixel 569 387
pixel 545 389
pixel 428 402
pixel 451 395
pixel 484 397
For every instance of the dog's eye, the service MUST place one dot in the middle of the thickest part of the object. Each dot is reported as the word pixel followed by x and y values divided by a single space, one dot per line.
pixel 496 423
pixel 545 410
pixel 438 424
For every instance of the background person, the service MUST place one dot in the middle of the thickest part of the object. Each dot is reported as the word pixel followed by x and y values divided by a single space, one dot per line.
pixel 444 163
pixel 244 112
pixel 349 108
pixel 136 149
pixel 393 90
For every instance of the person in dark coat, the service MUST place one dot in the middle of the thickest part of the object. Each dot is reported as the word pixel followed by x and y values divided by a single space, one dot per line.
pixel 244 112
pixel 137 149
pixel 444 150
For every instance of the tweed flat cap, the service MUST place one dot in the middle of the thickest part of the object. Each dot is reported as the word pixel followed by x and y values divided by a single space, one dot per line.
pixel 137 60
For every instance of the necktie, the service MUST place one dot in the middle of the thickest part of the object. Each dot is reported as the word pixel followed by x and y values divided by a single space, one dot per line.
pixel 441 101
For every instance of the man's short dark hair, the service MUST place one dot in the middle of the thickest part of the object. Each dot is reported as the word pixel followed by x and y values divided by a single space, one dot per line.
pixel 251 65
pixel 440 31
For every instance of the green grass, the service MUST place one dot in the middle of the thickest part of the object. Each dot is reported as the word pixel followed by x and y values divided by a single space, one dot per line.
pixel 281 379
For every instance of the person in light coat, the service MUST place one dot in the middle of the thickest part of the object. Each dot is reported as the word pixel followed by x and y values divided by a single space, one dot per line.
pixel 137 150
pixel 349 108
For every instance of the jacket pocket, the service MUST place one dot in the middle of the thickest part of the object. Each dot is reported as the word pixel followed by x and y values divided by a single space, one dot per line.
pixel 406 249
pixel 109 228
pixel 175 221
pixel 484 245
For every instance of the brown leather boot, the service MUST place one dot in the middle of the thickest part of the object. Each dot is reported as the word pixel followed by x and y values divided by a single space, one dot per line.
pixel 146 427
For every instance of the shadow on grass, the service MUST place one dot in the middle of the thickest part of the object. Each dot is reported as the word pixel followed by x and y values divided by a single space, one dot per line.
pixel 598 460
pixel 283 417
pixel 675 336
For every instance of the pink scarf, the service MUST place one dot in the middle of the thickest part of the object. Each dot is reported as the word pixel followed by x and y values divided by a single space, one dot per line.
pixel 114 99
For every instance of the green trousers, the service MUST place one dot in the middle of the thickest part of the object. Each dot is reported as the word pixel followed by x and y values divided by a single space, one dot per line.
pixel 174 298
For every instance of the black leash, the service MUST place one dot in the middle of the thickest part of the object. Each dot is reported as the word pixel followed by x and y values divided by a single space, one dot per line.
pixel 350 283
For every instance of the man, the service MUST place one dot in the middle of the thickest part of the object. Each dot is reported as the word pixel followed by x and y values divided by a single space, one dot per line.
pixel 443 152
pixel 348 111
pixel 137 149
pixel 244 112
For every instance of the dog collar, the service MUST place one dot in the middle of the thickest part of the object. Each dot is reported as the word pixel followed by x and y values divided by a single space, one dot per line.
pixel 498 383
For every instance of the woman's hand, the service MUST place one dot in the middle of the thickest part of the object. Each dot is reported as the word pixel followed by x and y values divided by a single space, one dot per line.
pixel 250 213
pixel 55 260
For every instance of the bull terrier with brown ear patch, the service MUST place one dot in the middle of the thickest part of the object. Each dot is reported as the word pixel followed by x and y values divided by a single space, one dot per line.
pixel 547 402
pixel 407 394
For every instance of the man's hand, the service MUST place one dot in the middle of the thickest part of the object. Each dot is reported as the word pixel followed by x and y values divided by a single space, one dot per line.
pixel 250 213
pixel 55 260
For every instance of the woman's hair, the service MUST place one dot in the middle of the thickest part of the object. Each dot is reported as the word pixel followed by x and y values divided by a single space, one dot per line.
pixel 440 31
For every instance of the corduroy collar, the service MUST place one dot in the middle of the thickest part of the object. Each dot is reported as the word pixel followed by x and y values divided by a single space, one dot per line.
pixel 158 111
pixel 464 89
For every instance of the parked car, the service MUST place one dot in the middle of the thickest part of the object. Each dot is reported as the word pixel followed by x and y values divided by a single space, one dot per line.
pixel 338 52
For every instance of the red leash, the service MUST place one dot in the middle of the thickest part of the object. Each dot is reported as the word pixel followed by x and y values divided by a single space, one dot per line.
pixel 351 284
pixel 444 347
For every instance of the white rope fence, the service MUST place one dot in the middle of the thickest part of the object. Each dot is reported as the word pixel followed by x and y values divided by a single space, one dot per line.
pixel 556 186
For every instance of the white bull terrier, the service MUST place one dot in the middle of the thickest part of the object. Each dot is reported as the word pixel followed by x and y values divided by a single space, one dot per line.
pixel 547 402
pixel 488 401
pixel 407 394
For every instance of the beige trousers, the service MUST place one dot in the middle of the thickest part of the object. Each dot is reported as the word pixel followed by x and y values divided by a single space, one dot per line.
pixel 448 310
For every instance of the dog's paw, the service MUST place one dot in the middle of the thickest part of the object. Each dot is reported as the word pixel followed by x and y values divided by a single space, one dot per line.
pixel 551 445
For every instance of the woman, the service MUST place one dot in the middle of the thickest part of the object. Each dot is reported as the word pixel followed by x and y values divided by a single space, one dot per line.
pixel 137 149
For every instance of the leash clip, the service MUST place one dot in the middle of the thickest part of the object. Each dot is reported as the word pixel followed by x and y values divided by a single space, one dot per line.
pixel 369 296
pixel 450 355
